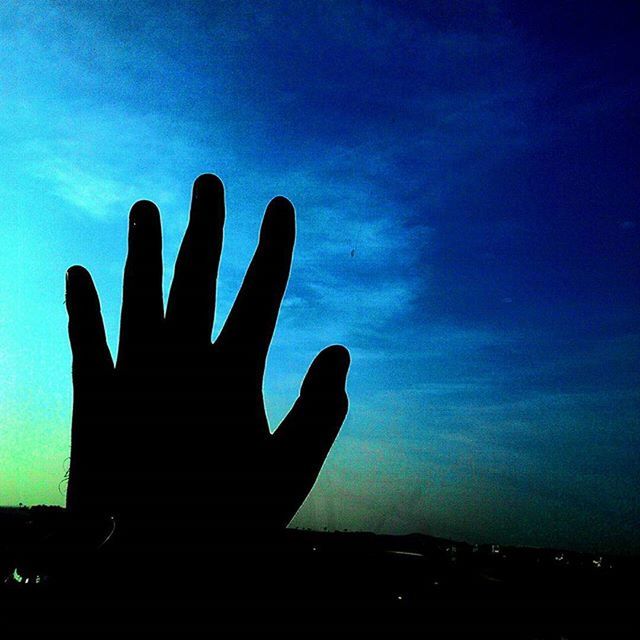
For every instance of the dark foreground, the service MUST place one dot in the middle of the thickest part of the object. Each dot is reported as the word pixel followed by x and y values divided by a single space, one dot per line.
pixel 54 575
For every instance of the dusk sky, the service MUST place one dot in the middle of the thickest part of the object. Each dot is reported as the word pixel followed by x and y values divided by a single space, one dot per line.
pixel 465 176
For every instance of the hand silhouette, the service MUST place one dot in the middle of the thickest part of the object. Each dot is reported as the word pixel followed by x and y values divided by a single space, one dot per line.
pixel 176 432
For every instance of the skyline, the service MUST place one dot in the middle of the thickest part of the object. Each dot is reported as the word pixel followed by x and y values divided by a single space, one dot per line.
pixel 465 186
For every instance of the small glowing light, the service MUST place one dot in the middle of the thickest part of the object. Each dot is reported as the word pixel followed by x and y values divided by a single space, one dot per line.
pixel 399 597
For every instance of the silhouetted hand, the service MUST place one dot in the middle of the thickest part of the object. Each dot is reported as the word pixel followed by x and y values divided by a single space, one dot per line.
pixel 176 432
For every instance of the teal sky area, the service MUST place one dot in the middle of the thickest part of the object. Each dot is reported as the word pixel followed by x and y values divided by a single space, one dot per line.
pixel 465 181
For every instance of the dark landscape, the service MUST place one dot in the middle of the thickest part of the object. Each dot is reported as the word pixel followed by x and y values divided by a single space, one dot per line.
pixel 57 574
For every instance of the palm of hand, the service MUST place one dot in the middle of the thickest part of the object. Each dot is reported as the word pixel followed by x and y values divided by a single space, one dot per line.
pixel 179 422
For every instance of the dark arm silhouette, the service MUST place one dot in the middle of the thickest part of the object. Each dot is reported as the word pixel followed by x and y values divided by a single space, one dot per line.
pixel 178 425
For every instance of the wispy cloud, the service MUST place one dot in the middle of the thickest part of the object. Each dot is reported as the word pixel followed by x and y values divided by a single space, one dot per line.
pixel 97 195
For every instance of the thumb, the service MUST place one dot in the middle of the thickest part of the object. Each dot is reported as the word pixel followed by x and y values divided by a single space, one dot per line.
pixel 309 429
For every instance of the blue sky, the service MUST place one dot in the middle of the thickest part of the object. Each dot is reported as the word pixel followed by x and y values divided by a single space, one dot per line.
pixel 479 160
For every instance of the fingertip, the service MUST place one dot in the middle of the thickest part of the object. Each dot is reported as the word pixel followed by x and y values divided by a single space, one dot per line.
pixel 75 274
pixel 145 205
pixel 328 371
pixel 80 290
pixel 336 358
pixel 207 201
pixel 340 355
pixel 143 212
pixel 77 280
pixel 207 184
pixel 281 203
pixel 279 222
pixel 282 211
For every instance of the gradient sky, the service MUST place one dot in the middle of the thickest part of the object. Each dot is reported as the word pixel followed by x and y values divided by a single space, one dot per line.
pixel 480 161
